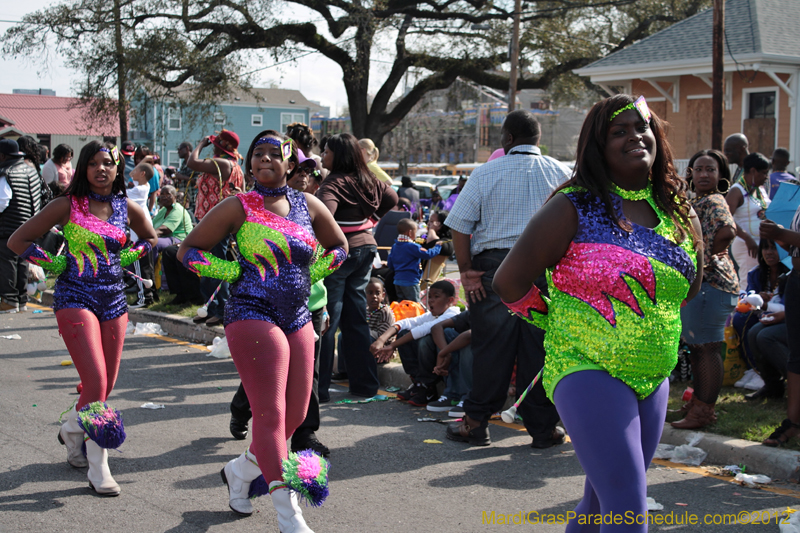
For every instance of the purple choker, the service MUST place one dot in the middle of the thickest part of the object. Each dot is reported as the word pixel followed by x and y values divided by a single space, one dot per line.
pixel 100 198
pixel 269 191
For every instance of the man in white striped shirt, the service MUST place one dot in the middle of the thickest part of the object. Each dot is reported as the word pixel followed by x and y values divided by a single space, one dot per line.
pixel 488 217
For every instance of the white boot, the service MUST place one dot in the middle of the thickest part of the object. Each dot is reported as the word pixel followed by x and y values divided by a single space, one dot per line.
pixel 71 436
pixel 99 475
pixel 290 516
pixel 237 475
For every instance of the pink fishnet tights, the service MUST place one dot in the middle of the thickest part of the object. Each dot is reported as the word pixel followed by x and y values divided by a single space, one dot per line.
pixel 95 348
pixel 276 370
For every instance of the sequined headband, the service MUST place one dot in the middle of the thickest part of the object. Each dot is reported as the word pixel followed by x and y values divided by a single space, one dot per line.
pixel 113 152
pixel 639 105
pixel 285 146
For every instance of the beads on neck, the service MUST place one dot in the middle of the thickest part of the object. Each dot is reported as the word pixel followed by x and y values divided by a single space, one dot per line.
pixel 270 191
pixel 641 194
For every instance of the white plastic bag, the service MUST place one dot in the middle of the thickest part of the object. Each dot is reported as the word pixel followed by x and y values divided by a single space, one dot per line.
pixel 789 524
pixel 686 454
pixel 148 328
pixel 752 481
pixel 219 348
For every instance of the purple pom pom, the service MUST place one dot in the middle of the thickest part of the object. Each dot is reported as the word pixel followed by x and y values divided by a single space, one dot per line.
pixel 258 487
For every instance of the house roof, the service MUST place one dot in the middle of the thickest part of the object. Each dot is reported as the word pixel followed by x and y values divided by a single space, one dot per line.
pixel 270 97
pixel 753 28
pixel 53 115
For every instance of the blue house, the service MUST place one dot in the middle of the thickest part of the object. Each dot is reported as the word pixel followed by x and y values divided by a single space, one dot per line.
pixel 163 126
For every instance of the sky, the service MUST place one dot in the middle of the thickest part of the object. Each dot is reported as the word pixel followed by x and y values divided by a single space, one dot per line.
pixel 317 77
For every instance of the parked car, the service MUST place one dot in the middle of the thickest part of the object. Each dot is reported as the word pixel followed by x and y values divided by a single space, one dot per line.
pixel 424 188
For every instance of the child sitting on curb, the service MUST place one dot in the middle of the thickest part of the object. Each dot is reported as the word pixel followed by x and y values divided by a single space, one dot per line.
pixel 452 338
pixel 411 333
pixel 379 315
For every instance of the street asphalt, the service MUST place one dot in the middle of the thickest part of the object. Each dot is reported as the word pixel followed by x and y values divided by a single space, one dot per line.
pixel 389 471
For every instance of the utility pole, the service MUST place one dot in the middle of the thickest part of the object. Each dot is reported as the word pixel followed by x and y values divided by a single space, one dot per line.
pixel 122 98
pixel 717 78
pixel 512 78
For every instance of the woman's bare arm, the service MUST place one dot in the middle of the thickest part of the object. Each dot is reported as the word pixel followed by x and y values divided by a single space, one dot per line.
pixel 224 219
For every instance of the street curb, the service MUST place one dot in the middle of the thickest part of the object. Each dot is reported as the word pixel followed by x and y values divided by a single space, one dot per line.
pixel 175 325
pixel 773 462
pixel 390 374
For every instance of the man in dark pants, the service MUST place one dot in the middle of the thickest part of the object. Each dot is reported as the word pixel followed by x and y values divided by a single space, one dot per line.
pixel 488 217
pixel 20 199
pixel 304 436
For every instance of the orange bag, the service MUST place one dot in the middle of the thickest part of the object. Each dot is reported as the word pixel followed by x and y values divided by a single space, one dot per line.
pixel 406 309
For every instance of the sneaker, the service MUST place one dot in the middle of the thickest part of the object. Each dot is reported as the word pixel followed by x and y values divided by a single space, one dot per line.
pixel 457 411
pixel 425 395
pixel 140 304
pixel 405 395
pixel 748 375
pixel 755 382
pixel 441 405
pixel 6 307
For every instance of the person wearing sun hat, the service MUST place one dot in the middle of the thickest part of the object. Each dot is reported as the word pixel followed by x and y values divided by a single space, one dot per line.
pixel 221 176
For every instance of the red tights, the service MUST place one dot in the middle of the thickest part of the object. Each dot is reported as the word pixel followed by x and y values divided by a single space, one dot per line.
pixel 95 348
pixel 276 370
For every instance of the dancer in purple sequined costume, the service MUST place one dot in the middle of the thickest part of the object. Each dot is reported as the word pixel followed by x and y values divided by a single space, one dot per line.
pixel 267 322
pixel 89 299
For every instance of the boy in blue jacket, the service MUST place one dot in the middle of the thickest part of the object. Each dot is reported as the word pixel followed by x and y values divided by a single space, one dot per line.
pixel 405 259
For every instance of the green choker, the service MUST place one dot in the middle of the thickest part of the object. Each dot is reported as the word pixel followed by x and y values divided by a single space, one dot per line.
pixel 633 196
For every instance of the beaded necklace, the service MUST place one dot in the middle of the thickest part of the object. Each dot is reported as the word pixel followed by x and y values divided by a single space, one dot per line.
pixel 755 193
pixel 633 196
pixel 99 197
pixel 270 191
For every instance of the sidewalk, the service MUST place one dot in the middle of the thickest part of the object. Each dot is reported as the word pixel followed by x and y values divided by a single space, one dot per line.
pixel 773 462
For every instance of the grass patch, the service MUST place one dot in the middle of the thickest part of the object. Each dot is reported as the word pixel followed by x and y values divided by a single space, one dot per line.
pixel 738 417
pixel 164 305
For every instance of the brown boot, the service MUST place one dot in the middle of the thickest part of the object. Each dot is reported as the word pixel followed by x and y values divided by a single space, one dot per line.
pixel 685 408
pixel 699 416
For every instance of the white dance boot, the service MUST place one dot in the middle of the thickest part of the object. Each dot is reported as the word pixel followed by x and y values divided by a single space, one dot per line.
pixel 71 436
pixel 290 516
pixel 237 475
pixel 100 479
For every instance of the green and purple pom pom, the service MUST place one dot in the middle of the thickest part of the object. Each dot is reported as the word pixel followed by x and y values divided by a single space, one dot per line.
pixel 103 424
pixel 306 473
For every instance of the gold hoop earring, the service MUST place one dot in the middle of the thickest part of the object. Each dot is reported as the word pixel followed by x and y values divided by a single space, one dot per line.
pixel 727 186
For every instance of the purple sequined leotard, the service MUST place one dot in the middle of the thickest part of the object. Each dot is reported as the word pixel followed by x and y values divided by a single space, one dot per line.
pixel 93 277
pixel 274 254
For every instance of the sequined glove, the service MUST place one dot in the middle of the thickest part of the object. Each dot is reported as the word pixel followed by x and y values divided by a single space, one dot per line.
pixel 208 265
pixel 130 255
pixel 532 307
pixel 325 262
pixel 36 255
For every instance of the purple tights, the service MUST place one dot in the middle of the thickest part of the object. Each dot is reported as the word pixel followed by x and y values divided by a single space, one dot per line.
pixel 615 436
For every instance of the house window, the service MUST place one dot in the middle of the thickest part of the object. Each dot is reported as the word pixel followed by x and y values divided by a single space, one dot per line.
pixel 172 159
pixel 762 105
pixel 288 118
pixel 174 119
pixel 219 119
pixel 256 120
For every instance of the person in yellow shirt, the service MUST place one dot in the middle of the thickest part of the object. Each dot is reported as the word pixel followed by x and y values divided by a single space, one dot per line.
pixel 371 154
